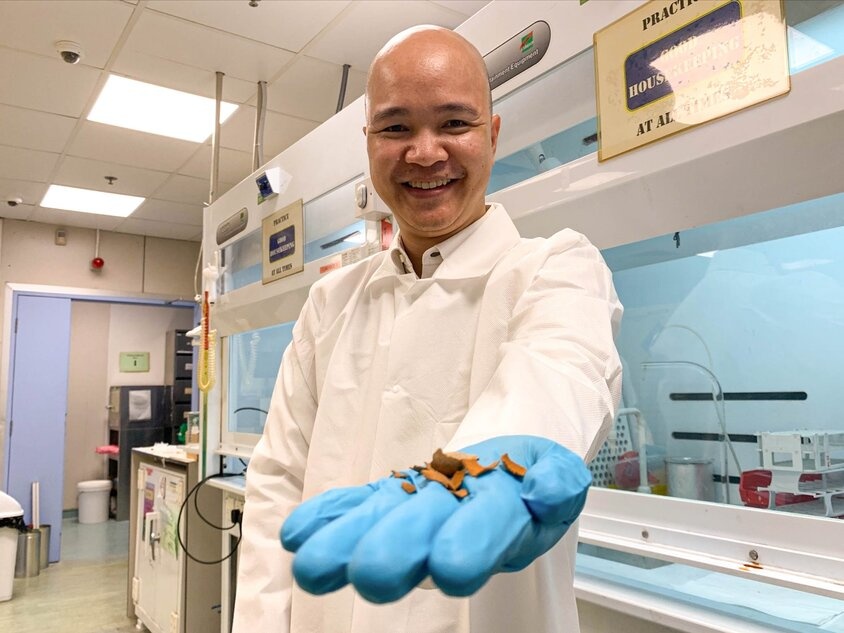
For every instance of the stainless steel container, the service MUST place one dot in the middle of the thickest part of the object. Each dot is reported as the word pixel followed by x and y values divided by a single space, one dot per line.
pixel 28 561
pixel 690 478
pixel 44 551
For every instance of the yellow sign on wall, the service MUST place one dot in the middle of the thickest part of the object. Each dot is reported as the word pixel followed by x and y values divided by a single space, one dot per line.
pixel 673 64
pixel 134 361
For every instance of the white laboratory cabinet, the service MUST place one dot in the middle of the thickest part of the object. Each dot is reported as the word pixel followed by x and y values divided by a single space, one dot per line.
pixel 171 590
pixel 233 493
pixel 157 583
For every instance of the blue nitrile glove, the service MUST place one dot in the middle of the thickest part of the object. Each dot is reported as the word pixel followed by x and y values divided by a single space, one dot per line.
pixel 385 541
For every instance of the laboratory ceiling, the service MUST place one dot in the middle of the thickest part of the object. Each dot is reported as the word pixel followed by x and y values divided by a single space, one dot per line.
pixel 298 47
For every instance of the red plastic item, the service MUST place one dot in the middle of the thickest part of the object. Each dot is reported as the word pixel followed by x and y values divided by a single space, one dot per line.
pixel 109 449
pixel 752 480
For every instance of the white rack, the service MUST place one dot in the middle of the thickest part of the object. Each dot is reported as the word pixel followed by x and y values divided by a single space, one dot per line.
pixel 791 455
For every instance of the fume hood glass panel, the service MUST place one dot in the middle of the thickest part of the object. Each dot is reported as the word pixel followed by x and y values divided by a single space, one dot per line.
pixel 330 227
pixel 546 123
pixel 731 342
pixel 241 263
pixel 775 608
pixel 815 32
pixel 253 361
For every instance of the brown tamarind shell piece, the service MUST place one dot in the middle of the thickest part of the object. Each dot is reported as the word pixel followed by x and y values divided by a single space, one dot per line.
pixel 408 487
pixel 474 468
pixel 514 468
pixel 435 475
pixel 445 464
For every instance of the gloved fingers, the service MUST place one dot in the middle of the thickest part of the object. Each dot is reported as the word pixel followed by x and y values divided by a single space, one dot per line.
pixel 392 558
pixel 320 565
pixel 316 513
pixel 555 487
pixel 469 548
pixel 531 544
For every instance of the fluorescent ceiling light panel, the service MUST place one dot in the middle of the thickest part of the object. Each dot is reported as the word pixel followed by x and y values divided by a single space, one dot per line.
pixel 147 108
pixel 90 201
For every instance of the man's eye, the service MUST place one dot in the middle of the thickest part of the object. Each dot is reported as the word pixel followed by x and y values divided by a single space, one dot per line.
pixel 394 128
pixel 455 123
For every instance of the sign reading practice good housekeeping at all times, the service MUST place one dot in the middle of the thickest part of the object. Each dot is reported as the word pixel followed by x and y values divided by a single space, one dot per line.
pixel 673 64
pixel 283 247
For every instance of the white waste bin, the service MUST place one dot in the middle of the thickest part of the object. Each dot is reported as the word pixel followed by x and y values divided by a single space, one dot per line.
pixel 93 500
pixel 11 518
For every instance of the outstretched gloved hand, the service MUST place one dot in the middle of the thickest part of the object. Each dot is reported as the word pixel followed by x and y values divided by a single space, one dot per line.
pixel 385 541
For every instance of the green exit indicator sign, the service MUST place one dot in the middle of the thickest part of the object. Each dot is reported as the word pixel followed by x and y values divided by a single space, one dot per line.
pixel 134 361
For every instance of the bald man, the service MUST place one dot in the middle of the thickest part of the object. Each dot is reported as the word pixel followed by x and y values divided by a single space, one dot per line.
pixel 461 335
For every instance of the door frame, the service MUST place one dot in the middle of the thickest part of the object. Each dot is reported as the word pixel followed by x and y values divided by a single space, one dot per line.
pixel 12 291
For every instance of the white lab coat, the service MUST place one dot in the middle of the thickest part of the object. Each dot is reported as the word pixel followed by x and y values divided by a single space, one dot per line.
pixel 509 336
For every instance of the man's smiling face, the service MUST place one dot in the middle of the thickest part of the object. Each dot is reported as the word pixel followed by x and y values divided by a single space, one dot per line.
pixel 430 135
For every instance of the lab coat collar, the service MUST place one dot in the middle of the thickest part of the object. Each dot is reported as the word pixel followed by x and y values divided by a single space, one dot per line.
pixel 471 253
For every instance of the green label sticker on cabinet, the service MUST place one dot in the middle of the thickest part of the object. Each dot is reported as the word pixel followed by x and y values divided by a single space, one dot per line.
pixel 134 361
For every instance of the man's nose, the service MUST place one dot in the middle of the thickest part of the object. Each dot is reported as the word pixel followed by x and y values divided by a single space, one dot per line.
pixel 426 149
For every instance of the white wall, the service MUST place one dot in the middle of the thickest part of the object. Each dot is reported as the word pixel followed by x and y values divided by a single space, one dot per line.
pixel 99 332
pixel 134 328
pixel 87 417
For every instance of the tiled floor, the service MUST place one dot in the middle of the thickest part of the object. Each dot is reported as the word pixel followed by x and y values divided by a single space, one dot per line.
pixel 83 593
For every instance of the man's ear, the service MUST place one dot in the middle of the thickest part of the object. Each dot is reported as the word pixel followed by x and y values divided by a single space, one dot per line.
pixel 495 126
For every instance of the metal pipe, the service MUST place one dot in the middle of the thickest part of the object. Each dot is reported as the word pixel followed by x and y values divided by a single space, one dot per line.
pixel 260 115
pixel 343 81
pixel 215 141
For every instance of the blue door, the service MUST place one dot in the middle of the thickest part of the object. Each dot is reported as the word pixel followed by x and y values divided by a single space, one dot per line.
pixel 37 407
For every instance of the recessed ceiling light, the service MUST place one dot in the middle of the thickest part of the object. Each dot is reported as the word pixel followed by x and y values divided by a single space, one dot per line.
pixel 147 108
pixel 90 201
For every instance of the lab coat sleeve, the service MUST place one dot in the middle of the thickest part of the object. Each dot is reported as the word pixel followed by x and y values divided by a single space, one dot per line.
pixel 557 374
pixel 273 488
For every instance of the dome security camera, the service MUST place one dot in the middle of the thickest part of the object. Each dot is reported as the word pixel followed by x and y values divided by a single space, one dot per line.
pixel 71 52
pixel 14 201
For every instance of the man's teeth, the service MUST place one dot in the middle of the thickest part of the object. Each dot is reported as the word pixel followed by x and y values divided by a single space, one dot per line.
pixel 425 184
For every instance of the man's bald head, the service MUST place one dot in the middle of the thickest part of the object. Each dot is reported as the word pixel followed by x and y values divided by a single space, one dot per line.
pixel 423 44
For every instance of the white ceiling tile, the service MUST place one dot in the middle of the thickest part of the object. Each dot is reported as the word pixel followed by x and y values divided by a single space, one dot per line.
pixel 164 72
pixel 95 25
pixel 128 147
pixel 223 187
pixel 72 218
pixel 185 189
pixel 289 25
pixel 199 47
pixel 166 211
pixel 25 164
pixel 309 89
pixel 235 165
pixel 466 7
pixel 45 84
pixel 167 230
pixel 280 131
pixel 90 174
pixel 367 26
pixel 34 130
pixel 30 192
